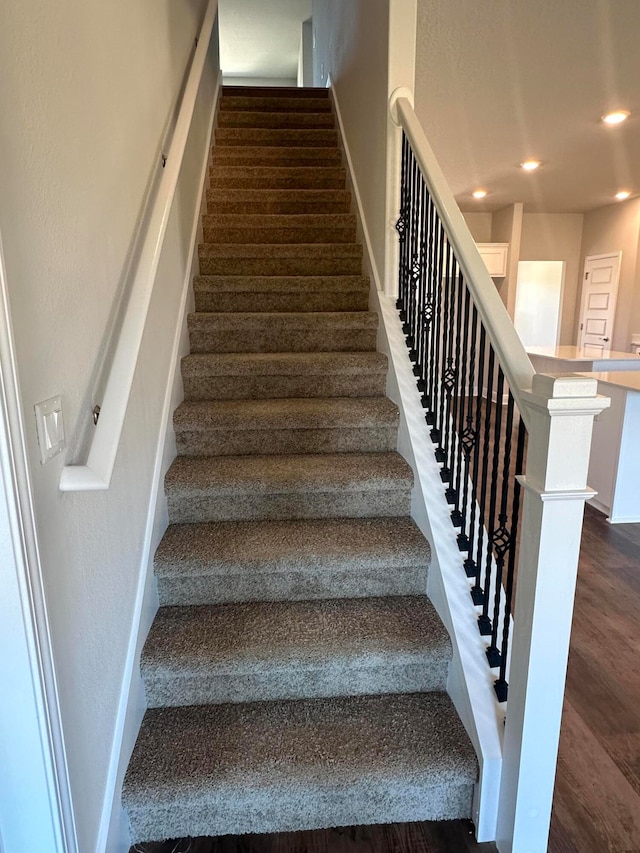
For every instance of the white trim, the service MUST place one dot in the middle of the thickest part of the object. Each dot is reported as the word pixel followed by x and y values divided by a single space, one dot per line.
pixel 470 682
pixel 128 719
pixel 29 608
pixel 97 472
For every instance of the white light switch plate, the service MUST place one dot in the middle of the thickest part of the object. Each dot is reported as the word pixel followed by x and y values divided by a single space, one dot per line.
pixel 50 426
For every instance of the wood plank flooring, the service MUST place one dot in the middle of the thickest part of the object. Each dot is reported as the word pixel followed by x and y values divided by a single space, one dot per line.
pixel 596 807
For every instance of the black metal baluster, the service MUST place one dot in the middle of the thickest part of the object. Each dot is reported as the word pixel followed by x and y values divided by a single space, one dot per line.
pixel 437 343
pixel 420 279
pixel 427 392
pixel 490 519
pixel 501 686
pixel 468 435
pixel 441 456
pixel 449 379
pixel 501 535
pixel 457 517
pixel 475 522
pixel 478 593
pixel 413 237
pixel 401 228
pixel 453 448
pixel 433 297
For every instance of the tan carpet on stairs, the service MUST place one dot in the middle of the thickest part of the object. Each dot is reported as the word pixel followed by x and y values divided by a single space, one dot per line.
pixel 296 671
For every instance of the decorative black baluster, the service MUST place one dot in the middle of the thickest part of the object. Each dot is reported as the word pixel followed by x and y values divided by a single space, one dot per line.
pixel 453 448
pixel 449 378
pixel 478 593
pixel 437 342
pixel 457 517
pixel 402 227
pixel 501 536
pixel 476 520
pixel 468 437
pixel 501 686
pixel 490 519
pixel 409 328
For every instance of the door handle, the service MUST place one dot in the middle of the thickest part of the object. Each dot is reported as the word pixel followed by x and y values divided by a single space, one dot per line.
pixel 605 339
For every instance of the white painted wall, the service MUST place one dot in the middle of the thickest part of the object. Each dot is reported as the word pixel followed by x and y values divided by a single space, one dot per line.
pixel 351 46
pixel 88 92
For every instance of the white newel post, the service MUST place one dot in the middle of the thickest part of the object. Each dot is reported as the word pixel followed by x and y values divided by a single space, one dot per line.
pixel 561 410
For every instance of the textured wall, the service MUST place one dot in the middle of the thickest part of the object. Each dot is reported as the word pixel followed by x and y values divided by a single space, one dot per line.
pixel 352 46
pixel 87 92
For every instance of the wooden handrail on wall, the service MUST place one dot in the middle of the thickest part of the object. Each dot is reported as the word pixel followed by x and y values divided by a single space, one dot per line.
pixel 96 473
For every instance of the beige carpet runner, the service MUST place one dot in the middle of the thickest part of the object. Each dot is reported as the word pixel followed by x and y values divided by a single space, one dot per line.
pixel 296 671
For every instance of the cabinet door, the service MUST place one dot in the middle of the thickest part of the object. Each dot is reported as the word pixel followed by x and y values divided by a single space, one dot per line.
pixel 494 256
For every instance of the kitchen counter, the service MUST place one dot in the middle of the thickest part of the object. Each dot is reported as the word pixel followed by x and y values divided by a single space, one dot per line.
pixel 567 359
pixel 614 464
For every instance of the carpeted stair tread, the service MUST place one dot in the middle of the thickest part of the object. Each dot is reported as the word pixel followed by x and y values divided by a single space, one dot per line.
pixel 269 119
pixel 286 294
pixel 254 651
pixel 315 92
pixel 293 425
pixel 269 201
pixel 274 103
pixel 293 136
pixel 275 155
pixel 279 228
pixel 229 376
pixel 276 177
pixel 227 488
pixel 303 764
pixel 335 331
pixel 280 259
pixel 230 561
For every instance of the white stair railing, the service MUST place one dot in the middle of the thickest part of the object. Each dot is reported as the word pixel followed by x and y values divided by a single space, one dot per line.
pixel 488 412
pixel 97 471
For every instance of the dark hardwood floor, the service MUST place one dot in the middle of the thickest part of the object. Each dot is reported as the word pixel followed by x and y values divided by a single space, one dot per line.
pixel 596 807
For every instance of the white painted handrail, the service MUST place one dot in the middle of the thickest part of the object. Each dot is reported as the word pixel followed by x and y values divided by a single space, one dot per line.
pixel 97 472
pixel 511 354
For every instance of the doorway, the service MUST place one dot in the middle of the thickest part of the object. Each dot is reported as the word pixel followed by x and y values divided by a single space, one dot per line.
pixel 598 305
pixel 539 303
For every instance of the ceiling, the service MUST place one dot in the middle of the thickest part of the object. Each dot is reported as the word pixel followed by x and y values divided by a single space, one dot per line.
pixel 501 81
pixel 261 39
pixel 498 81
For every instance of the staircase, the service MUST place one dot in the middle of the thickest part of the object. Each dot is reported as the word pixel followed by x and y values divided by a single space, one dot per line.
pixel 295 672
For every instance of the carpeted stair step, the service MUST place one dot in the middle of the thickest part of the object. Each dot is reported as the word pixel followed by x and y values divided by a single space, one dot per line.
pixel 225 201
pixel 305 425
pixel 339 331
pixel 281 293
pixel 304 764
pixel 297 228
pixel 277 177
pixel 257 651
pixel 315 137
pixel 275 156
pixel 274 103
pixel 241 488
pixel 280 259
pixel 231 561
pixel 270 119
pixel 244 376
pixel 258 92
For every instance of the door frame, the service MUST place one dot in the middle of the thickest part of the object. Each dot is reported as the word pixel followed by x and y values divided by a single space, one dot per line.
pixel 37 807
pixel 597 257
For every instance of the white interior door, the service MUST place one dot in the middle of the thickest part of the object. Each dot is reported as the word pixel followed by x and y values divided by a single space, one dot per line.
pixel 539 302
pixel 598 309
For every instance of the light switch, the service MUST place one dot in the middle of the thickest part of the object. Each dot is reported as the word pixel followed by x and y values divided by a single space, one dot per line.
pixel 50 426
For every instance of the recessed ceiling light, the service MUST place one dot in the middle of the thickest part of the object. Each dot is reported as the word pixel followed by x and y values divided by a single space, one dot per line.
pixel 622 195
pixel 530 165
pixel 616 117
pixel 479 193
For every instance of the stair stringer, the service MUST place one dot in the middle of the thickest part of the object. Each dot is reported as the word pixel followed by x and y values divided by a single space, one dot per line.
pixel 470 684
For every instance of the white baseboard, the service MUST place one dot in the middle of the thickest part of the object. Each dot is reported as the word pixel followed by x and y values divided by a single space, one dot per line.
pixel 113 833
